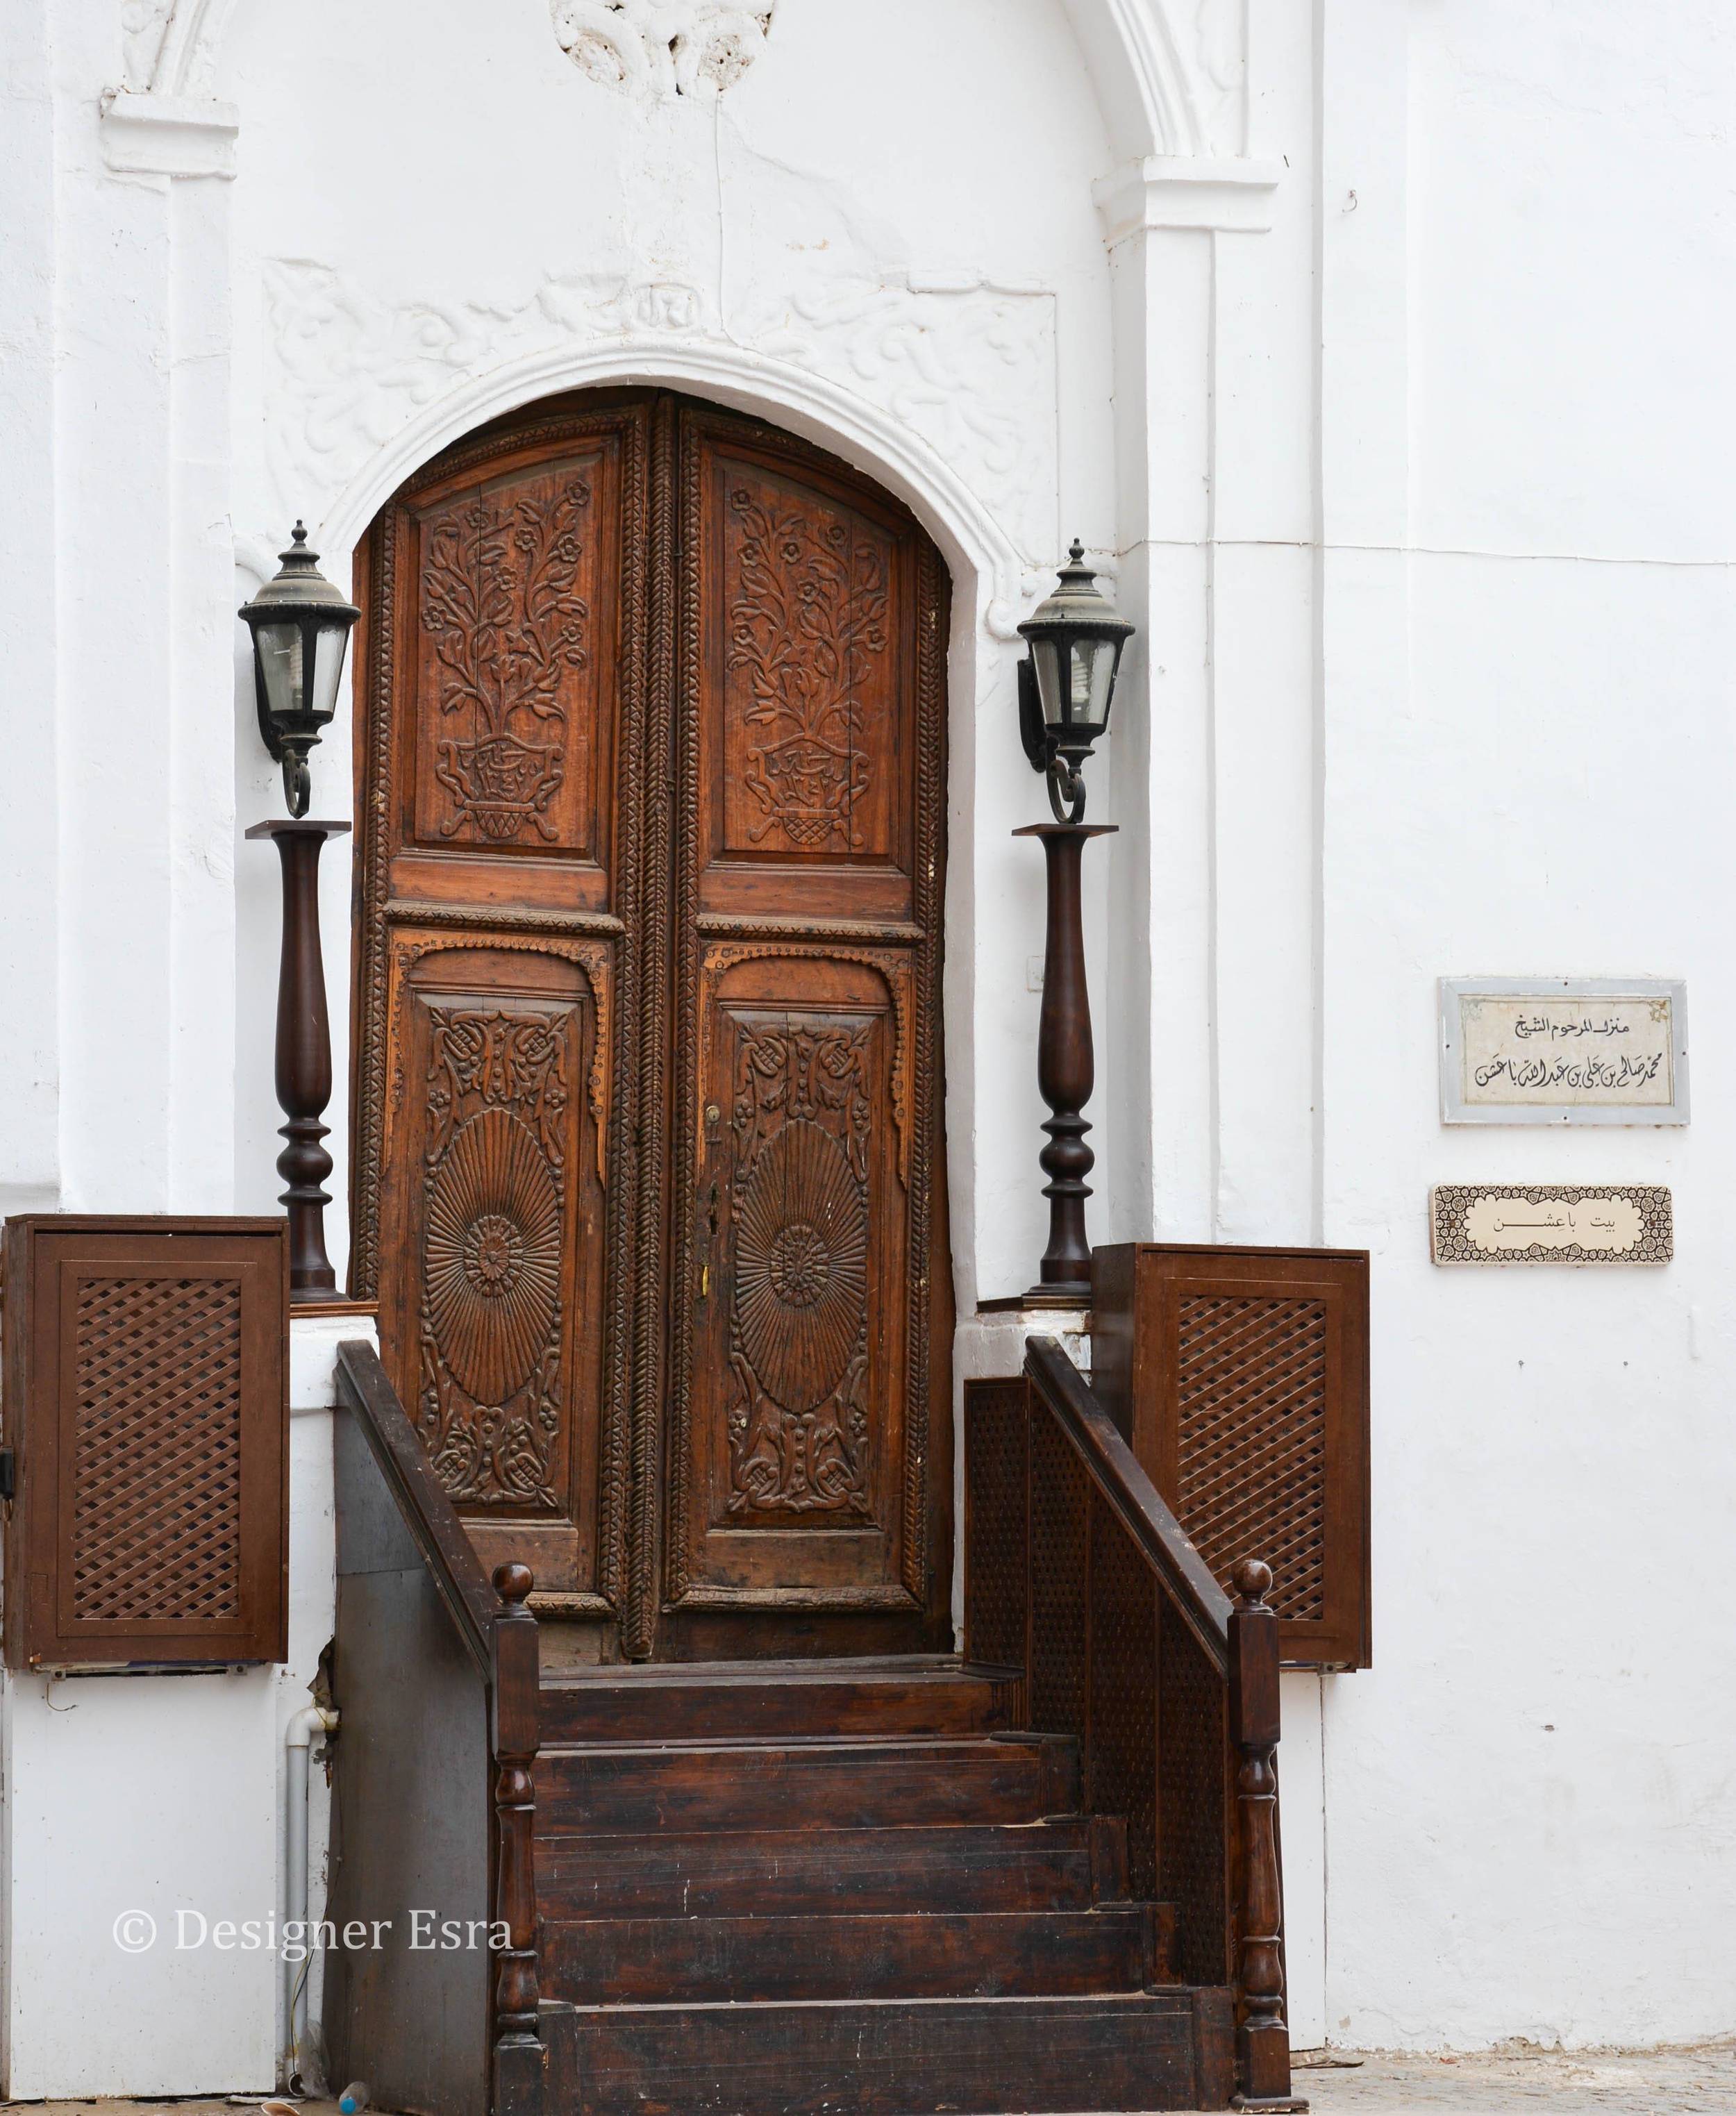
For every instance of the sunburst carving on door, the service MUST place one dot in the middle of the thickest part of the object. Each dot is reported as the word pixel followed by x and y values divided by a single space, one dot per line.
pixel 493 1255
pixel 799 1325
pixel 501 604
pixel 492 1252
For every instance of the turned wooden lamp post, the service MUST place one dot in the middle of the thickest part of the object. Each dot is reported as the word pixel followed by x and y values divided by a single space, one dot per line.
pixel 1067 687
pixel 301 625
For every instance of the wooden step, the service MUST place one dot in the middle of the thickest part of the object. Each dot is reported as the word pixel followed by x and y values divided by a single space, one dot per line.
pixel 740 1700
pixel 1059 1866
pixel 811 1785
pixel 645 1960
pixel 891 2057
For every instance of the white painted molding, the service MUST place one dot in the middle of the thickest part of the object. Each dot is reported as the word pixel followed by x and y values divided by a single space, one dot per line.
pixel 363 392
pixel 876 441
pixel 1179 191
pixel 169 136
pixel 1143 88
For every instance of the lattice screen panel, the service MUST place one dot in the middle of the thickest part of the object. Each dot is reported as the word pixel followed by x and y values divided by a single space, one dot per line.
pixel 145 1398
pixel 1240 1378
pixel 157 1388
pixel 1250 1389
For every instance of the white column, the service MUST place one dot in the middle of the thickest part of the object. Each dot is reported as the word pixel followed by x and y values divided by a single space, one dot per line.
pixel 1165 219
pixel 146 941
pixel 29 1024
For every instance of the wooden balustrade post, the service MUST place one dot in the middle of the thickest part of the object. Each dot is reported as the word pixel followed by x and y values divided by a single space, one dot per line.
pixel 515 1739
pixel 1262 2034
pixel 304 1057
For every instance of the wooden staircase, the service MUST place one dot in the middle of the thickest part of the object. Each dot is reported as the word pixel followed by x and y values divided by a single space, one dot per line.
pixel 788 1887
pixel 1043 1878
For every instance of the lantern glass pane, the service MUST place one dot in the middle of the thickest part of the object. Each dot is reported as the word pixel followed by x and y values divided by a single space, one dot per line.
pixel 329 654
pixel 1051 660
pixel 1094 680
pixel 278 647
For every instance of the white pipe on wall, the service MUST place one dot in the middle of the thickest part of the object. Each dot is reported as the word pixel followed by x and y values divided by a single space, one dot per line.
pixel 297 1739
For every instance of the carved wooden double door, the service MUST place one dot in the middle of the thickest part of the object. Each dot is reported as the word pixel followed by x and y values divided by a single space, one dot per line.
pixel 649 1169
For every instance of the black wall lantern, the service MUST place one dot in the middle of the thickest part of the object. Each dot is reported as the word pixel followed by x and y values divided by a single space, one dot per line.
pixel 1067 685
pixel 300 626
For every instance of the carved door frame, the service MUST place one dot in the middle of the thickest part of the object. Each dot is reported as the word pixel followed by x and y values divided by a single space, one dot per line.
pixel 646 950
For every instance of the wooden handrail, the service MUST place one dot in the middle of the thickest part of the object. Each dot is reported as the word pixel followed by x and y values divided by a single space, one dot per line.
pixel 1185 1578
pixel 500 1635
pixel 365 1388
pixel 1240 1639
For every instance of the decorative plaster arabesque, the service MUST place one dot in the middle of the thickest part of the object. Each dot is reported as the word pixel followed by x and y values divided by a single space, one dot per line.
pixel 968 366
pixel 662 47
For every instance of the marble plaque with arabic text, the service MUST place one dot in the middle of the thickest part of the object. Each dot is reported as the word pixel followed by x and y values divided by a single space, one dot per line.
pixel 1551 1223
pixel 1563 1050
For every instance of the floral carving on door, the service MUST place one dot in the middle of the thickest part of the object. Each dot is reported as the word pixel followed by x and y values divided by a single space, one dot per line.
pixel 502 605
pixel 808 618
pixel 798 1342
pixel 493 1188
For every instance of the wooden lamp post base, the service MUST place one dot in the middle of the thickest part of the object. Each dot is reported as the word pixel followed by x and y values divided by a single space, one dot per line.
pixel 304 1058
pixel 1066 1069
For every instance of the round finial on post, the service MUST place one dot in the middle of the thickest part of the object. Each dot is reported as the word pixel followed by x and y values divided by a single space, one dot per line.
pixel 1252 1581
pixel 513 1583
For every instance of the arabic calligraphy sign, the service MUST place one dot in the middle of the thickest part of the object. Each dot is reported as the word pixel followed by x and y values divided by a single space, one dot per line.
pixel 1551 1223
pixel 1563 1050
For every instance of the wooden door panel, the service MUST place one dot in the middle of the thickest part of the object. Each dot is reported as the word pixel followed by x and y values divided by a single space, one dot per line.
pixel 806 1425
pixel 501 757
pixel 651 762
pixel 495 1146
pixel 514 655
pixel 799 1281
pixel 805 685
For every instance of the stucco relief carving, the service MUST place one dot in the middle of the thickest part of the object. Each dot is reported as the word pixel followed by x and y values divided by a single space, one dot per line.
pixel 969 365
pixel 662 47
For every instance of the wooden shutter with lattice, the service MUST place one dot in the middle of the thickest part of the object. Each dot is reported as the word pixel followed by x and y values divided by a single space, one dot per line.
pixel 1240 1377
pixel 146 1404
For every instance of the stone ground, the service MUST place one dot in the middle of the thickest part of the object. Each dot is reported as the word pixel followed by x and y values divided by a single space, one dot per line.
pixel 1673 2082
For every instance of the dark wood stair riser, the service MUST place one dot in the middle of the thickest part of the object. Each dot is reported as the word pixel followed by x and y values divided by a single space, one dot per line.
pixel 893 2058
pixel 746 1702
pixel 649 1961
pixel 1065 1866
pixel 830 1786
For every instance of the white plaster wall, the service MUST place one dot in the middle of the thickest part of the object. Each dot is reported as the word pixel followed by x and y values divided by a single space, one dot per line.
pixel 163 1794
pixel 1527 646
pixel 1411 431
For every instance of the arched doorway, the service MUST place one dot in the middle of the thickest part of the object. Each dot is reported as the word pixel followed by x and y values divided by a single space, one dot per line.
pixel 649 1167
